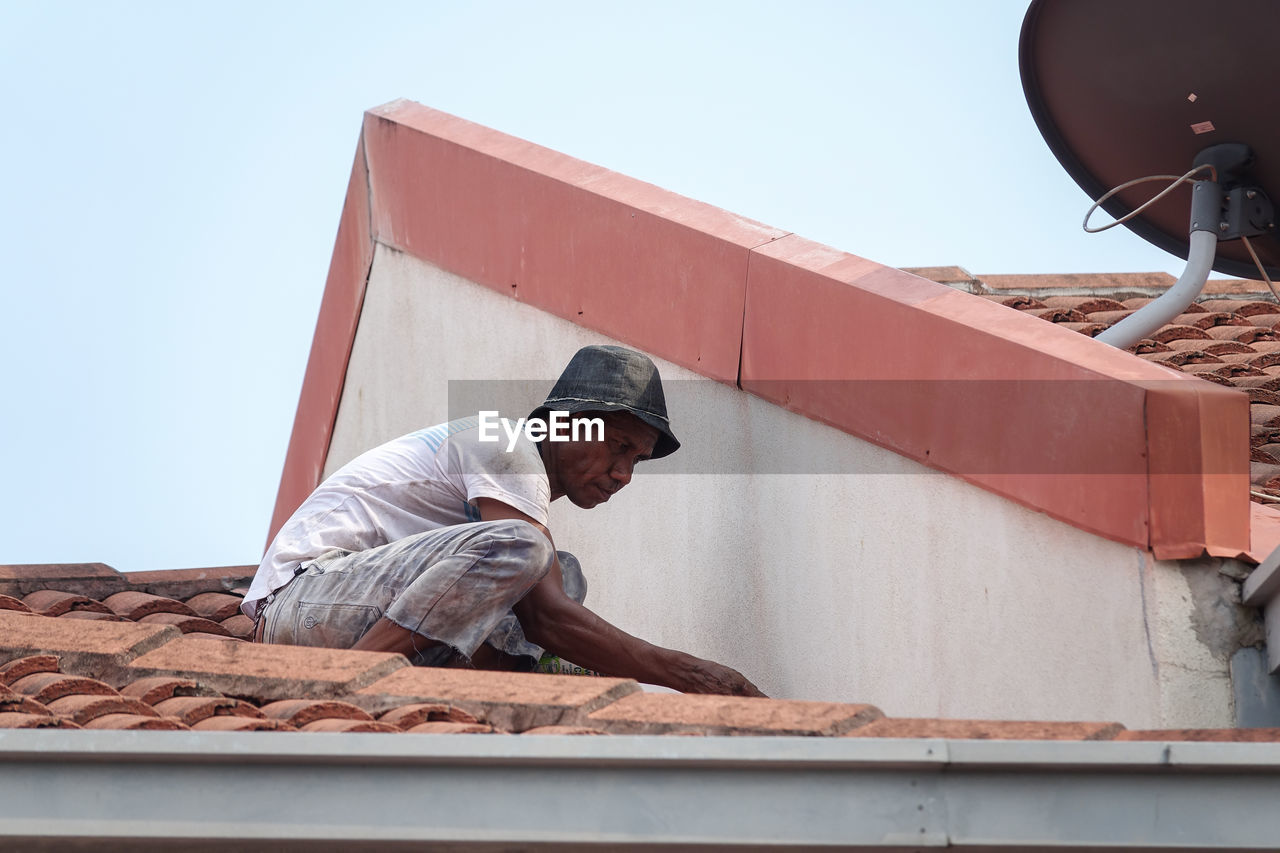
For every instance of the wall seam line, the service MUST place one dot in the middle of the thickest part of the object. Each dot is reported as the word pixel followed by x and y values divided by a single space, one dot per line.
pixel 746 284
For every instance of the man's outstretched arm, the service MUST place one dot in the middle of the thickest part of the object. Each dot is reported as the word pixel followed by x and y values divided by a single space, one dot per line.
pixel 561 625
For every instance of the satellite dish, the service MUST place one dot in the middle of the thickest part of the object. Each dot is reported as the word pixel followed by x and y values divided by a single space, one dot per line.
pixel 1125 90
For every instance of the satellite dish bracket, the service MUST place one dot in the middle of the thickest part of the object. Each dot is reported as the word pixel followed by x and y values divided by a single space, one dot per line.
pixel 1206 216
pixel 1228 207
pixel 1246 209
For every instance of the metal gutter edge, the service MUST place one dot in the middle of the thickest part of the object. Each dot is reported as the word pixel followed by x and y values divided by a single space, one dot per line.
pixel 284 791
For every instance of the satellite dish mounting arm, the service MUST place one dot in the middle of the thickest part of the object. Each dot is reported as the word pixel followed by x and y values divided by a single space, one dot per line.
pixel 1221 209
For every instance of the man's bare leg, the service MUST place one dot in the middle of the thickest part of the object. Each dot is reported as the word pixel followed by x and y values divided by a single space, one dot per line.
pixel 387 636
pixel 487 657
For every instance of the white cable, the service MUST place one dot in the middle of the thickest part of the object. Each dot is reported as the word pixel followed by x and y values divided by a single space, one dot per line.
pixel 1176 179
pixel 1261 269
pixel 1176 182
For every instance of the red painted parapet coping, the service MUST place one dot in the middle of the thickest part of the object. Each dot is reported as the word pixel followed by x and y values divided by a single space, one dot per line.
pixel 622 257
pixel 1054 420
pixel 1043 415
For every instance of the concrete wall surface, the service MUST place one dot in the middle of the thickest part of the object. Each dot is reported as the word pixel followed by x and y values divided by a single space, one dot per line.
pixel 822 566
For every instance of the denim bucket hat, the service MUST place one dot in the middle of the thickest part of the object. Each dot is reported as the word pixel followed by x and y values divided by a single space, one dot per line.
pixel 613 379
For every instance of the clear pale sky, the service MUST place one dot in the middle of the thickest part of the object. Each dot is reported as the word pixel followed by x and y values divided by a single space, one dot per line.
pixel 174 173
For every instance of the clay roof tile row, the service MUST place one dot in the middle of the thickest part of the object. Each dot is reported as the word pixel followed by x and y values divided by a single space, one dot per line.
pixel 136 674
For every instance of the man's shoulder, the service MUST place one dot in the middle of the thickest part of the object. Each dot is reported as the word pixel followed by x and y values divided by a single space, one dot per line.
pixel 435 436
pixel 491 444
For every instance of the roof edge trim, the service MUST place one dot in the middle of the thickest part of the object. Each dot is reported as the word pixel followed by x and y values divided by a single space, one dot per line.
pixel 922 792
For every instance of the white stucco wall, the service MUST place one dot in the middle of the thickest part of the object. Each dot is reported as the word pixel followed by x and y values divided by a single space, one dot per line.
pixel 887 583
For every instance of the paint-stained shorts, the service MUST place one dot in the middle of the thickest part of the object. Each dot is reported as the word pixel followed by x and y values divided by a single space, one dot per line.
pixel 455 585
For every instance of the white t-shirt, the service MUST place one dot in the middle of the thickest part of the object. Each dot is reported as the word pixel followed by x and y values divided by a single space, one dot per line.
pixel 422 481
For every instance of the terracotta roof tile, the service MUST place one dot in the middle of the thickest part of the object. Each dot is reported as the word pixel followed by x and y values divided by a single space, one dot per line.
pixel 1175 332
pixel 192 709
pixel 515 702
pixel 338 724
pixel 203 635
pixel 1207 320
pixel 33 721
pixel 1269 383
pixel 241 724
pixel 1261 395
pixel 1084 304
pixel 300 712
pixel 444 727
pixel 15 703
pixel 50 575
pixel 8 602
pixel 662 713
pixel 161 687
pixel 1222 349
pixel 986 729
pixel 185 583
pixel 1246 334
pixel 186 624
pixel 1088 328
pixel 1262 735
pixel 565 730
pixel 134 722
pixel 92 648
pixel 134 605
pixel 24 666
pixel 1259 435
pixel 1109 318
pixel 1057 315
pixel 215 606
pixel 1223 369
pixel 1112 284
pixel 45 687
pixel 93 616
pixel 1018 302
pixel 942 275
pixel 239 626
pixel 413 713
pixel 266 673
pixel 1243 307
pixel 81 708
pixel 1184 356
pixel 1264 475
pixel 55 602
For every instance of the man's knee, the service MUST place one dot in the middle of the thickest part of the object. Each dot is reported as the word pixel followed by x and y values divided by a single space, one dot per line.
pixel 527 544
pixel 575 583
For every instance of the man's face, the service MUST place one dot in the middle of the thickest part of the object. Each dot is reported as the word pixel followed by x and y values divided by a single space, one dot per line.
pixel 590 472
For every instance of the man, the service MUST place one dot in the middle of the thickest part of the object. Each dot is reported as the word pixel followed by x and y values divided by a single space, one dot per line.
pixel 436 545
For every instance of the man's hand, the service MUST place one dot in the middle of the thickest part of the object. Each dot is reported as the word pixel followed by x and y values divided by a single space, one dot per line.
pixel 695 675
pixel 564 627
